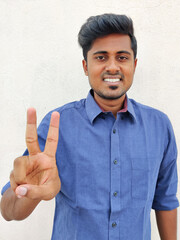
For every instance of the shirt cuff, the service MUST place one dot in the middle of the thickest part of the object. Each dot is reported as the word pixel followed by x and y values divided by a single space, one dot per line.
pixel 166 206
pixel 8 185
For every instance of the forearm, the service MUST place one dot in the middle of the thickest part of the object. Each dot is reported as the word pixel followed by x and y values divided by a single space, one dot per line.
pixel 167 224
pixel 13 208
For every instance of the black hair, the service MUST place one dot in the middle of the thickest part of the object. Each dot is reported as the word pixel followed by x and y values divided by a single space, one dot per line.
pixel 102 25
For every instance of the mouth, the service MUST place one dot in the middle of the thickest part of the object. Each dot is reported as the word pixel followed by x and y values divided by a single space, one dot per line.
pixel 112 80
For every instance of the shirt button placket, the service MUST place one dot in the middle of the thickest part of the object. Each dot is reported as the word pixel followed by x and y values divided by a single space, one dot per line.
pixel 115 185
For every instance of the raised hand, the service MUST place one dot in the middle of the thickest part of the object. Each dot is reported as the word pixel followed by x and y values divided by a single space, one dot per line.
pixel 36 176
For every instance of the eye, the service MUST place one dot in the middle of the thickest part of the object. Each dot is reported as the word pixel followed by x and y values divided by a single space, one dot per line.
pixel 100 58
pixel 122 58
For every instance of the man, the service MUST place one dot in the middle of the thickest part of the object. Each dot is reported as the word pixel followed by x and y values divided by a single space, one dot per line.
pixel 115 158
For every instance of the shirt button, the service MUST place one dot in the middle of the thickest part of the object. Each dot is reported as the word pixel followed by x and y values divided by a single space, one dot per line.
pixel 114 224
pixel 114 130
pixel 115 161
pixel 122 118
pixel 115 194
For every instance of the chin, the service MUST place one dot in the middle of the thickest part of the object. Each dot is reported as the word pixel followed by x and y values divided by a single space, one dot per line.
pixel 110 96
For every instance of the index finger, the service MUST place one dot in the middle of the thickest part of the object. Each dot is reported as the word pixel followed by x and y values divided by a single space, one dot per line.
pixel 53 135
pixel 31 132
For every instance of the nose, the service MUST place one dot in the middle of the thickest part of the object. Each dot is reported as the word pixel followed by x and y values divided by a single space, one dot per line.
pixel 112 66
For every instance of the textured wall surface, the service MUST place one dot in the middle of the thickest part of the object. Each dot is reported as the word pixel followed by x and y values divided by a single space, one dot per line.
pixel 40 66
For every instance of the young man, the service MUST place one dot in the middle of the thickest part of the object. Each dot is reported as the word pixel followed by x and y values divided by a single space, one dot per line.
pixel 109 161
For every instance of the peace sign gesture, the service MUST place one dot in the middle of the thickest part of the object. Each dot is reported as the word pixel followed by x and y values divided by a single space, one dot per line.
pixel 36 176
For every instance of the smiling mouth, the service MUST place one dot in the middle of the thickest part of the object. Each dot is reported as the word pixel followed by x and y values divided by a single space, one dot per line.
pixel 112 80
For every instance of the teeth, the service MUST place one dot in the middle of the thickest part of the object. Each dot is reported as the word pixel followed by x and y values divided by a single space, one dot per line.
pixel 112 80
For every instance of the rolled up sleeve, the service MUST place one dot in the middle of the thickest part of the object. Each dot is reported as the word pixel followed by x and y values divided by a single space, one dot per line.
pixel 165 197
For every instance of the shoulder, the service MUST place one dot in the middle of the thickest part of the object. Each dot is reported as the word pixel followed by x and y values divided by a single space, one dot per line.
pixel 76 105
pixel 152 117
pixel 66 109
pixel 147 111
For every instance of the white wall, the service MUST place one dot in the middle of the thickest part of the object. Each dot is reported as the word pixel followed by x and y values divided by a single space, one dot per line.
pixel 40 66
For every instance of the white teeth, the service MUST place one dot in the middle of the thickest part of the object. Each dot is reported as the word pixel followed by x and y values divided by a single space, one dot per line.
pixel 112 80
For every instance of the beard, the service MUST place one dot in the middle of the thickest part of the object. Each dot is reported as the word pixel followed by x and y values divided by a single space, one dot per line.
pixel 110 97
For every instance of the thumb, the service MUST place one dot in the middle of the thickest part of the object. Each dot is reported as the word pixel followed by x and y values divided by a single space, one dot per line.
pixel 35 192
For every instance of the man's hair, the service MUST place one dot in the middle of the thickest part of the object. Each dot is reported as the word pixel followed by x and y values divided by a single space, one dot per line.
pixel 103 25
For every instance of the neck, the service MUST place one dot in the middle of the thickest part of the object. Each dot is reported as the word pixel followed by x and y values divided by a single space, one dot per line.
pixel 108 105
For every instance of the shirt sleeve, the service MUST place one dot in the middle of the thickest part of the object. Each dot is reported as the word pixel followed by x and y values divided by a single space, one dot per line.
pixel 42 135
pixel 166 188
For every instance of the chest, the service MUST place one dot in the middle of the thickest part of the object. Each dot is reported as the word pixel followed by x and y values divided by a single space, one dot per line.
pixel 109 158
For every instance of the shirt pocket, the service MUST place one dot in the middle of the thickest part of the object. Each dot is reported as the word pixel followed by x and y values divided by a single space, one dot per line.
pixel 140 178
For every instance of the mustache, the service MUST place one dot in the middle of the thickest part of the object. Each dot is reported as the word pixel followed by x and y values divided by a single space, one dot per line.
pixel 115 75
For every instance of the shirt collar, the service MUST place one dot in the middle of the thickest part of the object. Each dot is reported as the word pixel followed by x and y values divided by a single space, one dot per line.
pixel 93 110
pixel 130 109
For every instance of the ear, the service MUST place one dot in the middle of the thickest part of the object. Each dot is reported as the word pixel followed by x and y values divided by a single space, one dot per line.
pixel 135 64
pixel 85 67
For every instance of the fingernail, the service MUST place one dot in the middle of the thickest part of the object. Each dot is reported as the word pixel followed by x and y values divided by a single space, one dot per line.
pixel 21 191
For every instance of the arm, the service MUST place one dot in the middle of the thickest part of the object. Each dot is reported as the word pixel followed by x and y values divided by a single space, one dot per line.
pixel 165 201
pixel 34 177
pixel 167 224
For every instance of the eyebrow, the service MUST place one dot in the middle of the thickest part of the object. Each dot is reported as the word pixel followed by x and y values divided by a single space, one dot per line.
pixel 105 52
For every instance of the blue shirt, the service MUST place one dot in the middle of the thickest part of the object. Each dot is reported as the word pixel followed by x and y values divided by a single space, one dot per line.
pixel 113 171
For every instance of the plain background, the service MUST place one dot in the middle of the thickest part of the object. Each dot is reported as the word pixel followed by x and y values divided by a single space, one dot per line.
pixel 40 66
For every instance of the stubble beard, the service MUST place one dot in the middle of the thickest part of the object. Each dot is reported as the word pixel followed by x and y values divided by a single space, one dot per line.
pixel 110 97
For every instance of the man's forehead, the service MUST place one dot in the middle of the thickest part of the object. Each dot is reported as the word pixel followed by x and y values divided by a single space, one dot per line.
pixel 112 42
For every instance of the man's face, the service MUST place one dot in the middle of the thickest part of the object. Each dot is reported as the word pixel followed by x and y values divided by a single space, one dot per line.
pixel 110 66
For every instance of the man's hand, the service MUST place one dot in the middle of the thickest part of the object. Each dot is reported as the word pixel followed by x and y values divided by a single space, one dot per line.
pixel 36 176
